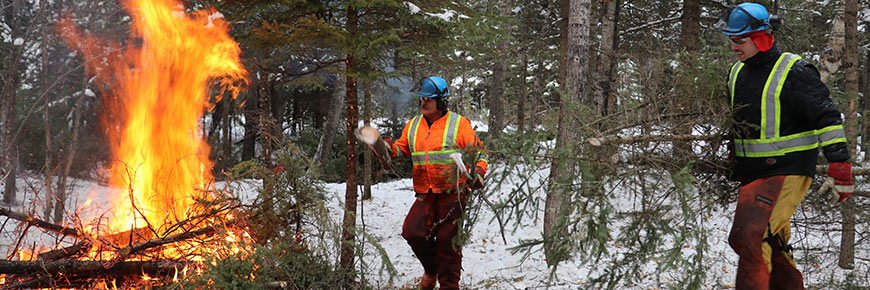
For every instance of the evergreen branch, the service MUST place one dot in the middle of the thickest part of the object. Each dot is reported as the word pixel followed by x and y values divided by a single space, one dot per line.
pixel 316 69
pixel 650 138
pixel 653 23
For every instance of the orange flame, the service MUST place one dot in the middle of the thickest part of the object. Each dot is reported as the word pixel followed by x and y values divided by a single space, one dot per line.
pixel 158 90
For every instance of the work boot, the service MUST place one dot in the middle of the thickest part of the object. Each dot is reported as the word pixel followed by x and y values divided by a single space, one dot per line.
pixel 427 282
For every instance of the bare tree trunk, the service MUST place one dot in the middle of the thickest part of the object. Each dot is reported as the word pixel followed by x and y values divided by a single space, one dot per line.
pixel 691 30
pixel 226 154
pixel 563 172
pixel 521 102
pixel 49 168
pixel 249 143
pixel 831 59
pixel 324 148
pixel 60 205
pixel 9 149
pixel 348 229
pixel 499 79
pixel 850 62
pixel 536 98
pixel 691 25
pixel 865 136
pixel 348 235
pixel 367 162
pixel 604 79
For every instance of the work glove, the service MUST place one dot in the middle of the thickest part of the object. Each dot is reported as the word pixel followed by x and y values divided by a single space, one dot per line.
pixel 479 173
pixel 389 144
pixel 839 181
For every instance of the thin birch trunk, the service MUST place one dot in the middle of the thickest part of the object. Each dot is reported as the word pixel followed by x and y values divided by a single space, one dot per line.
pixel 324 148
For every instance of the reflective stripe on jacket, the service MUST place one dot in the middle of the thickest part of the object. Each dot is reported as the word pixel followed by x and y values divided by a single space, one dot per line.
pixel 770 142
pixel 430 149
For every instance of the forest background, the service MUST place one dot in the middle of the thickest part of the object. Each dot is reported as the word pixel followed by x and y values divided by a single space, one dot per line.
pixel 545 76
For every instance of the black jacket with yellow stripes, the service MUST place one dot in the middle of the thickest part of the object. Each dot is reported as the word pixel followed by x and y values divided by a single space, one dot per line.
pixel 805 105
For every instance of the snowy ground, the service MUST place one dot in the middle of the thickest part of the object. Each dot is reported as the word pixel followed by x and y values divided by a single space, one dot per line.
pixel 488 263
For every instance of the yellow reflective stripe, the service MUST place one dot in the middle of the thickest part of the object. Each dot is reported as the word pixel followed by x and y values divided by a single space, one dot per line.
pixel 832 134
pixel 791 60
pixel 434 157
pixel 450 130
pixel 732 79
pixel 412 132
pixel 770 105
pixel 792 143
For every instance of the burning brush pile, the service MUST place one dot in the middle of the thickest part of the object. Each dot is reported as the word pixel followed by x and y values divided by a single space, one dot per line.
pixel 168 219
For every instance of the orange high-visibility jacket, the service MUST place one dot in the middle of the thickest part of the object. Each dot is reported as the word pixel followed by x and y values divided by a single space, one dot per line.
pixel 430 148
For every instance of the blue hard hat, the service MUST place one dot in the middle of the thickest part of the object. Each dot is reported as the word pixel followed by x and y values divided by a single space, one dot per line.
pixel 744 18
pixel 431 87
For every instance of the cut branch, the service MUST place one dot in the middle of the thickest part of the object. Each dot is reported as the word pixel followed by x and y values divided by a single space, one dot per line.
pixel 41 223
pixel 63 253
pixel 126 251
pixel 615 140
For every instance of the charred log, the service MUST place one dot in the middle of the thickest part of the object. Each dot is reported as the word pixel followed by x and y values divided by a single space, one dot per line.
pixel 91 268
pixel 64 253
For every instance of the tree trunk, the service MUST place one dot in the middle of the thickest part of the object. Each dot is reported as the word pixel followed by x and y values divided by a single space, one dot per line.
pixel 8 147
pixel 348 229
pixel 521 102
pixel 279 113
pixel 48 167
pixel 691 30
pixel 831 59
pixel 226 152
pixel 367 162
pixel 850 62
pixel 348 235
pixel 562 172
pixel 499 79
pixel 249 143
pixel 691 25
pixel 603 91
pixel 536 98
pixel 324 148
pixel 865 136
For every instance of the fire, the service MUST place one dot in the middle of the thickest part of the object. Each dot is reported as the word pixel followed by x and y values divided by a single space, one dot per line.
pixel 158 89
pixel 162 160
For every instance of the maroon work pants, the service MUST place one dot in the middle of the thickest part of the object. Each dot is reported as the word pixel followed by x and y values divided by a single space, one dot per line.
pixel 429 228
pixel 757 212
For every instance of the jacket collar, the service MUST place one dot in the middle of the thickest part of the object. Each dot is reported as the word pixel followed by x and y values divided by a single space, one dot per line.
pixel 765 57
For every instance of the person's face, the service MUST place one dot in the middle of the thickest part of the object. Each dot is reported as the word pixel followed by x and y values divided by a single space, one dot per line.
pixel 743 46
pixel 428 106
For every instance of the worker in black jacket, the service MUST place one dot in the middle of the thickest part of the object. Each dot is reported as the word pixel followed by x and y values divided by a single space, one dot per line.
pixel 783 115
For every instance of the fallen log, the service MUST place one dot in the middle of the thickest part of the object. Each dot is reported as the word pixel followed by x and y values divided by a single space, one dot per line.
pixel 91 268
pixel 126 251
pixel 63 253
pixel 41 223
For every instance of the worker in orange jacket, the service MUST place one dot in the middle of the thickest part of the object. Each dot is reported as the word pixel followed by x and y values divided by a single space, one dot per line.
pixel 431 224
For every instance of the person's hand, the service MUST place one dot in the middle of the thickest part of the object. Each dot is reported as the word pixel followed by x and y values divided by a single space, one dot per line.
pixel 841 173
pixel 389 144
pixel 479 174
